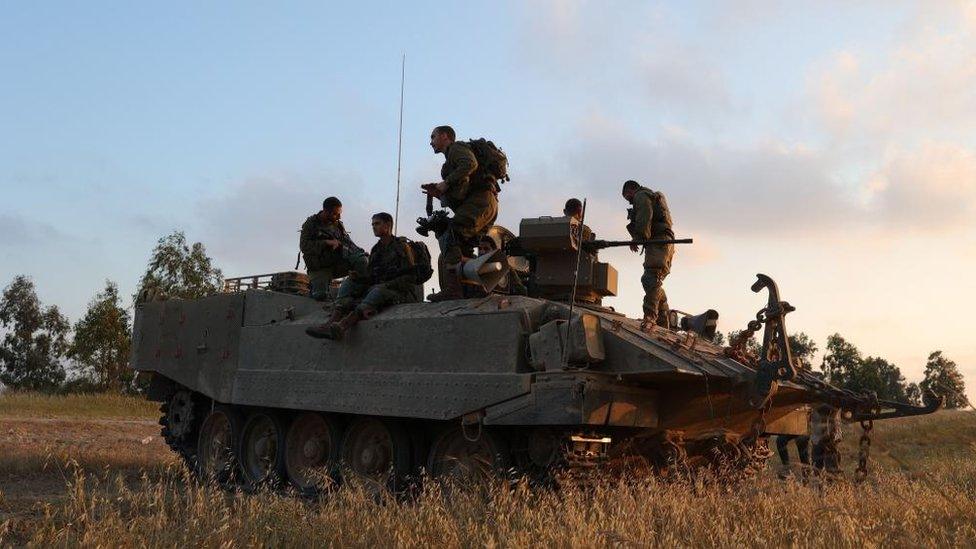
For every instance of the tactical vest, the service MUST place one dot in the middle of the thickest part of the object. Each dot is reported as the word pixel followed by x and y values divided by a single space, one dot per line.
pixel 661 220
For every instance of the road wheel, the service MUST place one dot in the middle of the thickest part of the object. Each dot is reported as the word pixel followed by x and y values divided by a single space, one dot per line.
pixel 465 460
pixel 377 452
pixel 216 455
pixel 262 449
pixel 311 451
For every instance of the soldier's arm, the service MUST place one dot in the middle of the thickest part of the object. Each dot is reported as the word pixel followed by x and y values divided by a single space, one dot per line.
pixel 310 243
pixel 643 214
pixel 464 165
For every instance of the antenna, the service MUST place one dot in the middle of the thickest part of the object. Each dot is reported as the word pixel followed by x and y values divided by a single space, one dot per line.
pixel 572 296
pixel 403 73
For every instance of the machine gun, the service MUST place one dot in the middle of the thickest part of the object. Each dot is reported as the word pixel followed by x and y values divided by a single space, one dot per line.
pixel 593 245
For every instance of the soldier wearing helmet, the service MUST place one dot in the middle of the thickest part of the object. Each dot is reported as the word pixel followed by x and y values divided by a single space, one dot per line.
pixel 651 218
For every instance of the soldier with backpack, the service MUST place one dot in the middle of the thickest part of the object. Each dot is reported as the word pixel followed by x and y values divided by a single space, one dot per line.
pixel 469 187
pixel 396 267
pixel 651 218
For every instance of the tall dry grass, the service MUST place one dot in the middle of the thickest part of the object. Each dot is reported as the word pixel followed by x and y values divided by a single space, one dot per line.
pixel 14 404
pixel 893 509
pixel 921 492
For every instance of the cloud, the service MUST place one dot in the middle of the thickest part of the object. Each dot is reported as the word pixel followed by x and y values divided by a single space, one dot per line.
pixel 681 78
pixel 771 188
pixel 932 188
pixel 923 84
pixel 21 233
pixel 253 225
pixel 606 55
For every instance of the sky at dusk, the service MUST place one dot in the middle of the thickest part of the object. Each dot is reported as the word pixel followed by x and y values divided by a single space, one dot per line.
pixel 830 145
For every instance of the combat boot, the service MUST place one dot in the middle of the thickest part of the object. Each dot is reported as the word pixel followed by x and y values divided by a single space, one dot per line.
pixel 337 330
pixel 323 330
pixel 450 288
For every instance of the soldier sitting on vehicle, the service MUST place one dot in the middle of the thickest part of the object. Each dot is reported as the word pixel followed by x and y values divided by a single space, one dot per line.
pixel 512 283
pixel 392 279
pixel 328 250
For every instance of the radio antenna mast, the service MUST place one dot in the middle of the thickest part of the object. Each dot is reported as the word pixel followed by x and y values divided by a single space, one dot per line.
pixel 403 73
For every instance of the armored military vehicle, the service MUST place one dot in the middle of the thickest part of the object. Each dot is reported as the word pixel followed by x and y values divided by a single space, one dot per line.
pixel 532 383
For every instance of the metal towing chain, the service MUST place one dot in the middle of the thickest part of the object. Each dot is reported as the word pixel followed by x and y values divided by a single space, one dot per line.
pixel 852 405
pixel 776 365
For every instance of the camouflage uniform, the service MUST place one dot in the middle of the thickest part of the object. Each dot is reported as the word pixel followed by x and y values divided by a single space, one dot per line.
pixel 323 263
pixel 471 196
pixel 824 437
pixel 392 280
pixel 652 219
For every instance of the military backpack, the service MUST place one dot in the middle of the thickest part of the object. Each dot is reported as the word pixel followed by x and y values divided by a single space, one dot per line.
pixel 492 161
pixel 421 258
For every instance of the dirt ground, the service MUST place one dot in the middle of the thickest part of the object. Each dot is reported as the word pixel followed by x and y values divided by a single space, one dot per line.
pixel 37 457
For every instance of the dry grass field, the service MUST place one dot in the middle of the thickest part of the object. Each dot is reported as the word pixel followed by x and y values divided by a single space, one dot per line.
pixel 92 471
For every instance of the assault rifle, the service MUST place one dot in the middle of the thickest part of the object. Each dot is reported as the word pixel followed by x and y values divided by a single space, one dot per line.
pixel 593 245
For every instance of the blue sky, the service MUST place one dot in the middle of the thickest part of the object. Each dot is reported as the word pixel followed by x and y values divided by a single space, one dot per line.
pixel 826 144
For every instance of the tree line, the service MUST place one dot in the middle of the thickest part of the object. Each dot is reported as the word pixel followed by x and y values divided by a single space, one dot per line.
pixel 844 366
pixel 42 351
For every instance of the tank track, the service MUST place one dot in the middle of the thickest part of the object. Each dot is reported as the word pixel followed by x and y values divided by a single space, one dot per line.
pixel 578 460
pixel 181 444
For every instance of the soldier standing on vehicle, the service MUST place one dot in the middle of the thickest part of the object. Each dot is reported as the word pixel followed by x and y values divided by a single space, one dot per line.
pixel 650 218
pixel 574 209
pixel 328 250
pixel 471 193
pixel 392 279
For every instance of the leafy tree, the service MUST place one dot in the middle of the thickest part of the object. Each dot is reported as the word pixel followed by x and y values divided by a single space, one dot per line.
pixel 845 367
pixel 942 378
pixel 840 361
pixel 101 343
pixel 35 339
pixel 803 348
pixel 179 270
pixel 879 376
pixel 913 394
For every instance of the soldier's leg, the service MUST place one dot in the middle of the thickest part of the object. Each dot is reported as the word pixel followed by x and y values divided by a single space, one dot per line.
pixel 380 297
pixel 375 299
pixel 319 282
pixel 818 456
pixel 663 309
pixel 653 290
pixel 803 449
pixel 450 258
pixel 350 292
pixel 782 448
